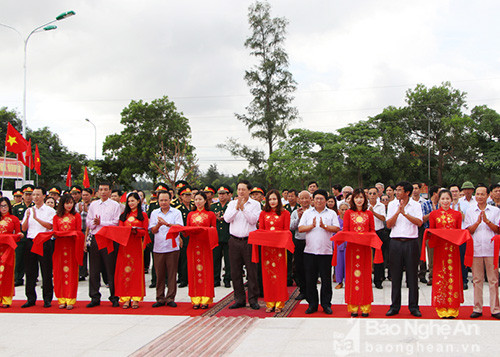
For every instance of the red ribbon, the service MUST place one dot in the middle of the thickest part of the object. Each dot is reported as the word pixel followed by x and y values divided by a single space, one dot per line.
pixel 109 234
pixel 454 236
pixel 45 236
pixel 496 249
pixel 266 238
pixel 209 233
pixel 11 240
pixel 369 239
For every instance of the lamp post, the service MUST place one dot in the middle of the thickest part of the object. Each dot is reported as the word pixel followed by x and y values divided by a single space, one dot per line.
pixel 429 145
pixel 44 27
pixel 95 146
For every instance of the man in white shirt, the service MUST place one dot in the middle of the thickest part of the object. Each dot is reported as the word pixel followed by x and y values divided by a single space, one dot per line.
pixel 103 212
pixel 38 219
pixel 242 215
pixel 299 240
pixel 166 257
pixel 319 223
pixel 404 216
pixel 482 221
pixel 378 210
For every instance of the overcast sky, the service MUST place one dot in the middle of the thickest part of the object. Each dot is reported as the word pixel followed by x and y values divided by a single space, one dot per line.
pixel 350 59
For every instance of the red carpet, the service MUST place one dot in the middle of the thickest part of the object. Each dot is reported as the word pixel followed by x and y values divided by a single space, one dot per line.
pixel 378 311
pixel 145 308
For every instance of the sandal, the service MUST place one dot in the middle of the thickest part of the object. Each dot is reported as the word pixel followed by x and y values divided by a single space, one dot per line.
pixel 62 306
pixel 5 306
pixel 277 310
pixel 69 307
pixel 339 286
pixel 269 309
pixel 126 305
pixel 135 304
pixel 196 307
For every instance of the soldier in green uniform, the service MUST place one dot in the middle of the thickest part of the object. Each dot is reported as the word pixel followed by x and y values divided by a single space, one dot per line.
pixel 222 250
pixel 185 206
pixel 76 193
pixel 18 196
pixel 291 206
pixel 210 192
pixel 175 201
pixel 153 204
pixel 258 194
pixel 18 211
pixel 55 192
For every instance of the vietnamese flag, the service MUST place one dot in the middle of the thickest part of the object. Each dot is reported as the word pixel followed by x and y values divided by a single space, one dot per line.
pixel 28 159
pixel 68 177
pixel 14 142
pixel 86 182
pixel 38 163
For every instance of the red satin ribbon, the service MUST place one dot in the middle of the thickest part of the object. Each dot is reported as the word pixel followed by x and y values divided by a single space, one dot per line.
pixel 496 249
pixel 11 240
pixel 369 239
pixel 45 236
pixel 275 239
pixel 454 236
pixel 209 233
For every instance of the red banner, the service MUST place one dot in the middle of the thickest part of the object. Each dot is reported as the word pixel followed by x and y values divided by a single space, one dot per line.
pixel 11 168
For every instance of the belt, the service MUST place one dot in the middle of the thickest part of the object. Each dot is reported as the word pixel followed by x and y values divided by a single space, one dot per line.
pixel 239 238
pixel 404 239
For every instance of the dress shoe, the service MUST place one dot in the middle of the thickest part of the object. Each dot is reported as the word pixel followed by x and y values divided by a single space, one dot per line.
pixel 392 312
pixel 204 306
pixel 423 280
pixel 416 313
pixel 82 278
pixel 429 283
pixel 28 304
pixel 47 304
pixel 364 314
pixel 378 286
pixel 158 304
pixel 19 283
pixel 255 306
pixel 496 316
pixel 196 307
pixel 466 286
pixel 94 303
pixel 115 303
pixel 172 304
pixel 237 305
pixel 183 285
pixel 227 284
pixel 216 284
pixel 475 315
pixel 354 314
pixel 300 297
pixel 152 285
pixel 311 310
pixel 327 310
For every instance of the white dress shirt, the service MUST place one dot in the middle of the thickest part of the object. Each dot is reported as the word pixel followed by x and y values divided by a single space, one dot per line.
pixel 318 239
pixel 161 244
pixel 44 213
pixel 403 227
pixel 242 222
pixel 379 208
pixel 483 246
pixel 109 211
pixel 294 225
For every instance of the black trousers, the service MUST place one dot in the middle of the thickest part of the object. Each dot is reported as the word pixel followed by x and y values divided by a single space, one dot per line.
pixel 219 252
pixel 240 254
pixel 298 264
pixel 465 270
pixel 422 266
pixel 404 254
pixel 99 259
pixel 378 269
pixel 31 261
pixel 183 268
pixel 322 265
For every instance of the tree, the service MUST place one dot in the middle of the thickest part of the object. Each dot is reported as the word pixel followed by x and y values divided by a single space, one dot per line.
pixel 270 113
pixel 134 150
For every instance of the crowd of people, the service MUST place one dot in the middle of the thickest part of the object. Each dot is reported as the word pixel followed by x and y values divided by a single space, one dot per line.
pixel 201 239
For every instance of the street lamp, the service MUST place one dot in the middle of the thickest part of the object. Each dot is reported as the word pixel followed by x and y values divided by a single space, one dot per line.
pixel 95 146
pixel 429 145
pixel 44 27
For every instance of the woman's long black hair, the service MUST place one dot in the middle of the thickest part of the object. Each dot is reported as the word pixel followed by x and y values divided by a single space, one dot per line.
pixel 127 211
pixel 6 200
pixel 60 207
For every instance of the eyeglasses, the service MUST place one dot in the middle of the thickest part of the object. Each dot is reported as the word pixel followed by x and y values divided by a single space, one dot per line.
pixel 4 206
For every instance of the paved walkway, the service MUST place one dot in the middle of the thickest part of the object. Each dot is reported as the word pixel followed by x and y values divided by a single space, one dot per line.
pixel 121 335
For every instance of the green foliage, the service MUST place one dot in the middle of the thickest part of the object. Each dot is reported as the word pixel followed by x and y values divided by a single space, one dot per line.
pixel 130 154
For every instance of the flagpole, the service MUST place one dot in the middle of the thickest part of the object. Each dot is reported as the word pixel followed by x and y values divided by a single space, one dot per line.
pixel 4 163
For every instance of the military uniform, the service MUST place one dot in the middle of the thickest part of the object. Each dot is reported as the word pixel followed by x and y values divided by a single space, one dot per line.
pixel 222 250
pixel 18 210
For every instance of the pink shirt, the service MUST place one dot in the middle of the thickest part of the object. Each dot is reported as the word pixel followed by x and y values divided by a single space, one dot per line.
pixel 108 210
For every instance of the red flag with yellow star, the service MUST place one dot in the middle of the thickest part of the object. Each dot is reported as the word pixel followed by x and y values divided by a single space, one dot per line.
pixel 14 142
pixel 28 157
pixel 38 163
pixel 86 182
